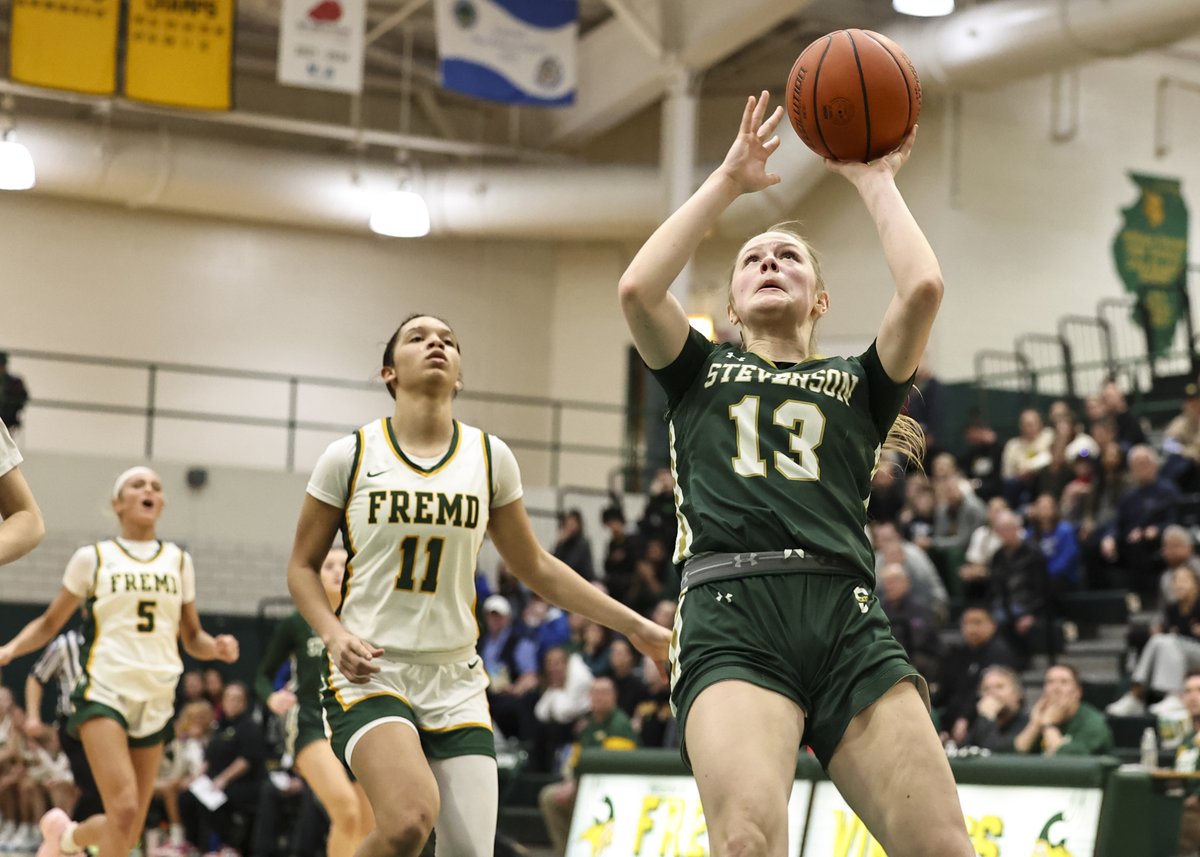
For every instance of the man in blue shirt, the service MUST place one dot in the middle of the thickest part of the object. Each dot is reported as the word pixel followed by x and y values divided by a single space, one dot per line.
pixel 510 658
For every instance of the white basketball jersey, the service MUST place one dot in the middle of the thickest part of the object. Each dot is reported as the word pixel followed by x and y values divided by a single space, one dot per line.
pixel 413 531
pixel 132 635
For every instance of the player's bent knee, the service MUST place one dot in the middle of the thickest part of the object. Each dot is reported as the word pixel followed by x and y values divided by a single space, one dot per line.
pixel 408 830
pixel 743 840
pixel 342 806
pixel 122 814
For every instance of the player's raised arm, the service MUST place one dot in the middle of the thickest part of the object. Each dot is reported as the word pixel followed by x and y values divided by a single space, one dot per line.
pixel 904 332
pixel 41 630
pixel 657 321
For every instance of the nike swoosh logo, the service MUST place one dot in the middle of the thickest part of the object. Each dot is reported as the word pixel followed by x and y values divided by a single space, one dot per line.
pixel 473 664
pixel 377 473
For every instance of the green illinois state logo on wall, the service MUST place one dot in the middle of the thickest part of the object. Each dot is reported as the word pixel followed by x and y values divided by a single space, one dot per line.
pixel 1151 254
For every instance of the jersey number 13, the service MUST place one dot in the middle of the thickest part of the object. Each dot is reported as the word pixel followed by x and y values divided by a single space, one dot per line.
pixel 805 425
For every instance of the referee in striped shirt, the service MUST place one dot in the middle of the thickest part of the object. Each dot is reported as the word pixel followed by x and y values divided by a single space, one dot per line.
pixel 60 663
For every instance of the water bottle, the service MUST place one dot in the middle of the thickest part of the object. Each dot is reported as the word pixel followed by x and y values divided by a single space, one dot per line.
pixel 1149 748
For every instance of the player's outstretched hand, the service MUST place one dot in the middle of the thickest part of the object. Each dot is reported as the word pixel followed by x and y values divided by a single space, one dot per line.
pixel 226 648
pixel 746 162
pixel 353 657
pixel 6 655
pixel 890 163
pixel 652 640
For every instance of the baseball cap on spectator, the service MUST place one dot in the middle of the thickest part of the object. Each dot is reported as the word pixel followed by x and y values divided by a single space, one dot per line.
pixel 497 604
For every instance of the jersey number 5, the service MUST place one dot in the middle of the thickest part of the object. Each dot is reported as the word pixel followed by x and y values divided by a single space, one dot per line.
pixel 145 613
pixel 408 562
pixel 803 441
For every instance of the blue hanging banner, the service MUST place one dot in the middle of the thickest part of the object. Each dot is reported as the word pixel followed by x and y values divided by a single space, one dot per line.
pixel 515 51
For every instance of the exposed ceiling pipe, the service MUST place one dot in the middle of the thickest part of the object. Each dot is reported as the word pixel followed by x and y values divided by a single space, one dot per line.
pixel 988 45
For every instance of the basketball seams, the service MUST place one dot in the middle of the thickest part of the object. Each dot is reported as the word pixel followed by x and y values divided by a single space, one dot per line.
pixel 815 112
pixel 899 65
pixel 866 104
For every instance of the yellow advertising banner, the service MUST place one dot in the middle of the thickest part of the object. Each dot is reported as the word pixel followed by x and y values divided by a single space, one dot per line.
pixel 65 44
pixel 179 52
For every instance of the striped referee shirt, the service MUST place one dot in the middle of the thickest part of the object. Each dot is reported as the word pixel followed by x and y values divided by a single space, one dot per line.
pixel 60 662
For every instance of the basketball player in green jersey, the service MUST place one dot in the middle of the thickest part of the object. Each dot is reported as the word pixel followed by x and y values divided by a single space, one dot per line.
pixel 405 691
pixel 350 817
pixel 778 639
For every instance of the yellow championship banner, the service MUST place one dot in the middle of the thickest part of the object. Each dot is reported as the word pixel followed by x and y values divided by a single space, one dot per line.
pixel 65 45
pixel 178 52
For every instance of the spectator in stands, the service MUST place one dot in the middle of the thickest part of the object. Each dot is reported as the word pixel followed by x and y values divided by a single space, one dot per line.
pixel 979 648
pixel 927 586
pixel 981 462
pixel 1000 714
pixel 1129 429
pixel 594 647
pixel 13 396
pixel 1181 443
pixel 956 515
pixel 183 760
pixel 1067 426
pixel 546 624
pixel 511 588
pixel 1178 549
pixel 564 699
pixel 653 721
pixel 887 489
pixel 607 727
pixel 573 547
pixel 234 761
pixel 1143 511
pixel 982 546
pixel 1058 473
pixel 655 578
pixel 626 677
pixel 191 689
pixel 916 518
pixel 913 624
pixel 214 690
pixel 658 518
pixel 620 555
pixel 1018 584
pixel 1056 538
pixel 18 831
pixel 1173 648
pixel 1186 757
pixel 1024 456
pixel 926 405
pixel 510 659
pixel 48 782
pixel 1061 723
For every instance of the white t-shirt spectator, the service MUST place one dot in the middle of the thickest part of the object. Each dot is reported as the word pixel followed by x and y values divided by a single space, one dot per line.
pixel 568 703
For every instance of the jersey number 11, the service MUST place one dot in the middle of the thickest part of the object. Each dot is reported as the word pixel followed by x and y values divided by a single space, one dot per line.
pixel 405 580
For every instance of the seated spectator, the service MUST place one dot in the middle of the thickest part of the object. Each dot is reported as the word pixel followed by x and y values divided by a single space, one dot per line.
pixel 626 677
pixel 566 682
pixel 214 690
pixel 511 588
pixel 1178 549
pixel 655 578
pixel 1068 427
pixel 1143 511
pixel 1181 444
pixel 981 547
pixel 573 547
pixel 1173 648
pixel 981 462
pixel 548 626
pixel 916 518
pixel 49 779
pixel 1061 723
pixel 1023 458
pixel 913 624
pixel 1017 584
pixel 981 647
pixel 956 515
pixel 620 554
pixel 658 517
pixel 926 405
pixel 1000 713
pixel 18 830
pixel 511 661
pixel 1186 757
pixel 594 647
pixel 653 721
pixel 927 586
pixel 1056 538
pixel 235 762
pixel 607 727
pixel 183 760
pixel 191 689
pixel 1129 429
pixel 887 489
pixel 1058 473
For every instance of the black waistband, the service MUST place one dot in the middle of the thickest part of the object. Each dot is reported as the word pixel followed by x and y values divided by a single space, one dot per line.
pixel 721 566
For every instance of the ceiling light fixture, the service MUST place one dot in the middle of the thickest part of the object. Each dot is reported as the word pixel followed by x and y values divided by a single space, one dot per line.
pixel 16 164
pixel 923 8
pixel 400 214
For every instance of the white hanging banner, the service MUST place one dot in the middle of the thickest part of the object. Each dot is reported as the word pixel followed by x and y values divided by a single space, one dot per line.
pixel 321 44
pixel 516 51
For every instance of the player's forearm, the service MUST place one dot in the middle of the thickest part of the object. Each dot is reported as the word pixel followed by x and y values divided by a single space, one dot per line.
pixel 911 260
pixel 20 533
pixel 33 698
pixel 202 646
pixel 666 252
pixel 33 636
pixel 304 583
pixel 560 585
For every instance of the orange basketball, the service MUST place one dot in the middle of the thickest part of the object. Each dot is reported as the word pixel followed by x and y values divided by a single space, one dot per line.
pixel 853 95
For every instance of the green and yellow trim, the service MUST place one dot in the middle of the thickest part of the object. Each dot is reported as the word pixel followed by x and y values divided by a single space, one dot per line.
pixel 416 468
pixel 161 546
pixel 487 467
pixel 347 537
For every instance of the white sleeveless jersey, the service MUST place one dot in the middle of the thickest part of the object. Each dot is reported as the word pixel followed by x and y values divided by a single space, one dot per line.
pixel 135 592
pixel 413 530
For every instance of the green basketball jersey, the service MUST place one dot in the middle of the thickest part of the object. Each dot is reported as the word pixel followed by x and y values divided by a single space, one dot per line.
pixel 293 638
pixel 770 458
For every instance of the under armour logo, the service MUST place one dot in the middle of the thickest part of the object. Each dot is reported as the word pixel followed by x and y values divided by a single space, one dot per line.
pixel 741 358
pixel 794 552
pixel 740 559
pixel 727 597
pixel 862 595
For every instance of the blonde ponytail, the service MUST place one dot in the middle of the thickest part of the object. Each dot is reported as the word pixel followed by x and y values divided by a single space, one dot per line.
pixel 907 438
